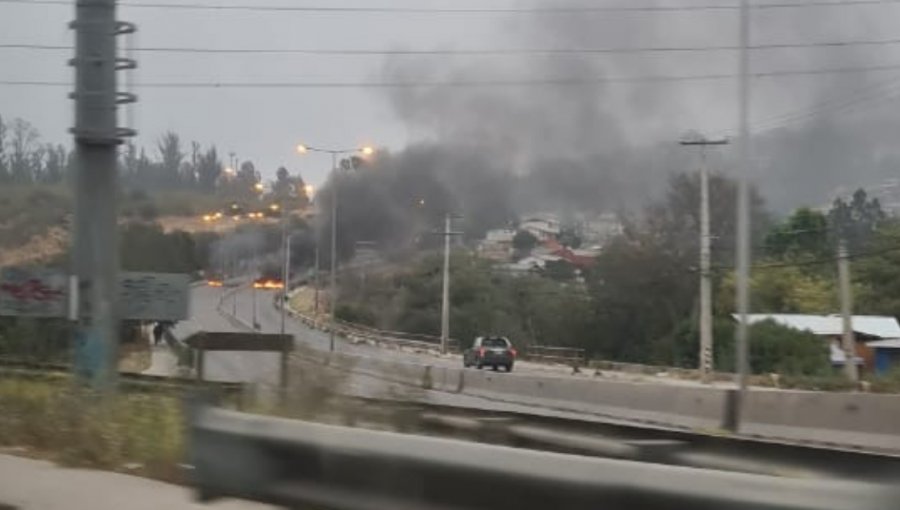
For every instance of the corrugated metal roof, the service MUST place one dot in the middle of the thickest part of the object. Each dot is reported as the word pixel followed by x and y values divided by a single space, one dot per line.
pixel 830 325
pixel 893 343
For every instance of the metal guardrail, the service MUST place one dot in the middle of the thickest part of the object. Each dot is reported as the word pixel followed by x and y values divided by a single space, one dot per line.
pixel 292 463
pixel 33 369
pixel 359 332
pixel 602 438
pixel 564 355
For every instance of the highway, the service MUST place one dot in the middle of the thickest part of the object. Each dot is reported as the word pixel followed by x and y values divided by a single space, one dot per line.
pixel 253 367
pixel 262 368
pixel 846 419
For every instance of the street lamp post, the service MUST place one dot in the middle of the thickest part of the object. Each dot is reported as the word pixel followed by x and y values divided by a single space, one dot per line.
pixel 303 149
pixel 286 255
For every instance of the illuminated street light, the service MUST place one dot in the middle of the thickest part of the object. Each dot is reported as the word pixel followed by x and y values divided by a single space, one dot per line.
pixel 365 151
pixel 310 190
pixel 259 187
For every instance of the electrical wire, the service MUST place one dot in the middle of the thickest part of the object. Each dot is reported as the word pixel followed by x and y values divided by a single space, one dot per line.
pixel 473 52
pixel 537 10
pixel 886 91
pixel 473 83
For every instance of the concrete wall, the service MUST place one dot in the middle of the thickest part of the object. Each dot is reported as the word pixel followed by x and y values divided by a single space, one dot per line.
pixel 858 419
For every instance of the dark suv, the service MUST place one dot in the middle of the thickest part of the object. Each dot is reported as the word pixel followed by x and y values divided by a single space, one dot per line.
pixel 492 351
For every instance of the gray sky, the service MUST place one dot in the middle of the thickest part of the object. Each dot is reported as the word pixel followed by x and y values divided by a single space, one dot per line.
pixel 264 124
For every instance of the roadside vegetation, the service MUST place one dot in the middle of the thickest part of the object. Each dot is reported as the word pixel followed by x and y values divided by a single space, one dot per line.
pixel 639 303
pixel 141 433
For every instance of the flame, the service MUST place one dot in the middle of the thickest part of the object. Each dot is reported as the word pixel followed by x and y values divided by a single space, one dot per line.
pixel 268 284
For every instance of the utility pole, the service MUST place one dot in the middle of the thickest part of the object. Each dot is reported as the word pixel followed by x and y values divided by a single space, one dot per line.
pixel 705 357
pixel 333 283
pixel 285 262
pixel 445 288
pixel 742 291
pixel 253 287
pixel 849 343
pixel 97 135
pixel 316 283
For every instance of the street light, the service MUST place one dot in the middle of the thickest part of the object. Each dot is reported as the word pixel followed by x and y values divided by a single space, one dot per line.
pixel 365 151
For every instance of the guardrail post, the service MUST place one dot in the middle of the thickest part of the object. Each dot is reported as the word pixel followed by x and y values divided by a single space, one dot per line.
pixel 283 379
pixel 730 412
pixel 201 355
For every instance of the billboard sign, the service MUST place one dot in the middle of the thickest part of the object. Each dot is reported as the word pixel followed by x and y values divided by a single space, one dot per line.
pixel 154 296
pixel 41 292
pixel 33 292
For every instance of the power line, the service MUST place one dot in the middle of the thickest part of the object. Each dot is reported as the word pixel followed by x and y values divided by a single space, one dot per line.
pixel 536 82
pixel 885 91
pixel 538 10
pixel 468 52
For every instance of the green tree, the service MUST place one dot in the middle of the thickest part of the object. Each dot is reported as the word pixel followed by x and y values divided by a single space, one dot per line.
pixel 5 175
pixel 147 248
pixel 171 156
pixel 803 234
pixel 524 241
pixel 569 238
pixel 783 289
pixel 560 270
pixel 645 282
pixel 855 221
pixel 773 348
pixel 876 276
pixel 23 141
pixel 209 169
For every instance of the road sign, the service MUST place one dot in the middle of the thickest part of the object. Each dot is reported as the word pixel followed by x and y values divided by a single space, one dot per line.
pixel 33 292
pixel 153 296
pixel 43 292
pixel 228 341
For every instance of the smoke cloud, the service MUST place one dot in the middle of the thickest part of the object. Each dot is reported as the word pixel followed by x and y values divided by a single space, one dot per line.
pixel 603 145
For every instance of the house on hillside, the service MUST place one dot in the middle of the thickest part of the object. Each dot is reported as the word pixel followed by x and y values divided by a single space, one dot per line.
pixel 877 338
pixel 601 229
pixel 584 258
pixel 543 228
pixel 497 245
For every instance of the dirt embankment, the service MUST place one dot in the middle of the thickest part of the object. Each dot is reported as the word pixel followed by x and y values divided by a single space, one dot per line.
pixel 40 247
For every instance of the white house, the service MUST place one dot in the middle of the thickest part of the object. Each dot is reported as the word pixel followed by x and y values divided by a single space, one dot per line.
pixel 543 227
pixel 497 245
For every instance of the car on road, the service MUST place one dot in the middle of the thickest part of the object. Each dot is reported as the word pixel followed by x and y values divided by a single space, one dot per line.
pixel 490 351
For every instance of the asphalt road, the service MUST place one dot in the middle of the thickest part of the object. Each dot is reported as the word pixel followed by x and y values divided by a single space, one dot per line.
pixel 262 368
pixel 41 485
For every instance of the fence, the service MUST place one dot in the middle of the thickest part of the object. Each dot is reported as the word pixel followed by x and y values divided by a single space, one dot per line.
pixel 360 333
pixel 565 355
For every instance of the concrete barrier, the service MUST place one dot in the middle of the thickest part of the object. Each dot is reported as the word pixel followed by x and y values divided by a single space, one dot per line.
pixel 851 419
pixel 851 412
pixel 672 405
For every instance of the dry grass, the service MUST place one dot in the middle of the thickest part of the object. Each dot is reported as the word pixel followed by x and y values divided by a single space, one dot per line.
pixel 52 417
pixel 135 357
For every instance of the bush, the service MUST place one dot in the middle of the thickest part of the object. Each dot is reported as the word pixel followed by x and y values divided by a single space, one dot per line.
pixel 773 349
pixel 41 340
pixel 887 383
pixel 355 314
pixel 148 211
